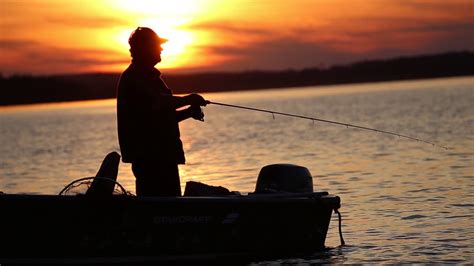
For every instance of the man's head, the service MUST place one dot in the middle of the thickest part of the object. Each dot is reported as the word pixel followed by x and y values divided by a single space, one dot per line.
pixel 145 46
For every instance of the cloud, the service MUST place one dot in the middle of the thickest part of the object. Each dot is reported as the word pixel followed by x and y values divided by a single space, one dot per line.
pixel 280 53
pixel 284 51
pixel 443 27
pixel 88 21
pixel 228 27
pixel 23 56
pixel 453 6
pixel 403 32
pixel 6 44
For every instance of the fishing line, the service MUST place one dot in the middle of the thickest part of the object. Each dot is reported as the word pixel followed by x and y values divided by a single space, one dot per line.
pixel 328 121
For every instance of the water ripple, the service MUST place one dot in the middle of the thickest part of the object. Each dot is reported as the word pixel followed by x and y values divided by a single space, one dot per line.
pixel 415 216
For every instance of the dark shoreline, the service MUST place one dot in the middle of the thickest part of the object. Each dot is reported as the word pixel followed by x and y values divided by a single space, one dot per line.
pixel 17 90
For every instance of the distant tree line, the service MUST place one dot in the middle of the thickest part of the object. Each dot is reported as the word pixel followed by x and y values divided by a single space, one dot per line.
pixel 37 89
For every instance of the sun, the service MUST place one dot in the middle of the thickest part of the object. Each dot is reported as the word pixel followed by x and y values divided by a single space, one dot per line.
pixel 167 19
pixel 175 50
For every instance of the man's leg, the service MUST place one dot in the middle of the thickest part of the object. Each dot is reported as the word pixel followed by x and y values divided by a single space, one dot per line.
pixel 154 179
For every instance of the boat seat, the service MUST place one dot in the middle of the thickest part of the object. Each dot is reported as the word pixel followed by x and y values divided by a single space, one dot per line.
pixel 105 179
pixel 198 189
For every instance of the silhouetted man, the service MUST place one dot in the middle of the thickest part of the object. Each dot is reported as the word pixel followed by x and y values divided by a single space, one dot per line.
pixel 148 119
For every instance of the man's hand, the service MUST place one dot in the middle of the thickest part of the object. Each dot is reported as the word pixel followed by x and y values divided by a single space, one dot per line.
pixel 196 112
pixel 196 99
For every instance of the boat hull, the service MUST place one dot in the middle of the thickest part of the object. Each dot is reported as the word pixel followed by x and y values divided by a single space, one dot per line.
pixel 63 227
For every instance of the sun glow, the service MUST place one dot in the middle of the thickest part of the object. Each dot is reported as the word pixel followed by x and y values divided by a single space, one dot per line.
pixel 160 7
pixel 168 19
pixel 175 52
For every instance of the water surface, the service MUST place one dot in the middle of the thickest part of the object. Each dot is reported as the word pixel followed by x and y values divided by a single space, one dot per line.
pixel 402 201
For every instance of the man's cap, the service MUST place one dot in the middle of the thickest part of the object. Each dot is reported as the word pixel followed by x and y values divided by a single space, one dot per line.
pixel 143 35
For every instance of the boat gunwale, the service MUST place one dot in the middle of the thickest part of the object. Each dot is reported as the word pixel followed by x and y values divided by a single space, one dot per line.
pixel 249 197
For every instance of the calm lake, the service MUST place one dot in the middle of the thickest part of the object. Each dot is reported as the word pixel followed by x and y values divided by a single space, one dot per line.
pixel 402 200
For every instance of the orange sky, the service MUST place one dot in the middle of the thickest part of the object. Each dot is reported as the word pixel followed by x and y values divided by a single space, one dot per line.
pixel 73 36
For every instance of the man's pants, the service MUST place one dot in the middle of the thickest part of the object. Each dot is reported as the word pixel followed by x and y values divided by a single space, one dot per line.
pixel 156 179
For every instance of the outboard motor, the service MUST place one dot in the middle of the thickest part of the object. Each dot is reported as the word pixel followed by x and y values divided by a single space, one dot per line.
pixel 284 178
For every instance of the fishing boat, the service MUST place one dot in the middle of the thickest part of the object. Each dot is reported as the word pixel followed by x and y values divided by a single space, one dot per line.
pixel 282 216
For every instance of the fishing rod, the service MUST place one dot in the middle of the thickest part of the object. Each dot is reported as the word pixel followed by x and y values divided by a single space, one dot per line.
pixel 327 121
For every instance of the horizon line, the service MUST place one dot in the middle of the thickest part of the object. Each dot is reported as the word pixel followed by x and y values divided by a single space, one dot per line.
pixel 210 71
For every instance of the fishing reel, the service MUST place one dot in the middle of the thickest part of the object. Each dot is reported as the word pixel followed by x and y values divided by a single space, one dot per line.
pixel 196 112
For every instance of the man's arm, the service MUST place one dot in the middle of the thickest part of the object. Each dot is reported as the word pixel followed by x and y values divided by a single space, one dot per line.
pixel 193 111
pixel 190 99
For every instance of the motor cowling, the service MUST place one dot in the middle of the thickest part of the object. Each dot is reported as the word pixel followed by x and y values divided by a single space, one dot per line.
pixel 284 178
